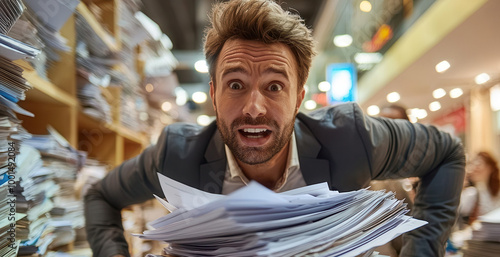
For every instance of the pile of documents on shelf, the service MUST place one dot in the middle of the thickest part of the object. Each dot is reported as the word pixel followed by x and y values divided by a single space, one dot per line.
pixel 39 26
pixel 485 239
pixel 93 102
pixel 12 89
pixel 254 221
pixel 9 13
pixel 56 178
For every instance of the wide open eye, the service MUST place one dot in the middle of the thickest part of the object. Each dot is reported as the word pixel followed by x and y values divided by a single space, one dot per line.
pixel 275 87
pixel 235 85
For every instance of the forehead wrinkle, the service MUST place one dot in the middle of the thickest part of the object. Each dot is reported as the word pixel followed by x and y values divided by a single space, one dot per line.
pixel 241 57
pixel 256 52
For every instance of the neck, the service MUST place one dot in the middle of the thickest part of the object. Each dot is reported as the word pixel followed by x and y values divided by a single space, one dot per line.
pixel 269 173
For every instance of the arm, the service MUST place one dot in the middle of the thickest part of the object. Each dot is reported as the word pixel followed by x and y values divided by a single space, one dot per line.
pixel 398 149
pixel 132 182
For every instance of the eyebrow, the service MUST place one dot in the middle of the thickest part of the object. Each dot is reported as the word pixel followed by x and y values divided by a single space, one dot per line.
pixel 233 70
pixel 276 70
pixel 267 70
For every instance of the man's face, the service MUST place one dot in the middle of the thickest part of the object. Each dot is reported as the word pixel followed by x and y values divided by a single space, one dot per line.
pixel 255 98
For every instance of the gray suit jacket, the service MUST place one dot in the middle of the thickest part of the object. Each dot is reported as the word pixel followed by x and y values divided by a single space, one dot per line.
pixel 339 145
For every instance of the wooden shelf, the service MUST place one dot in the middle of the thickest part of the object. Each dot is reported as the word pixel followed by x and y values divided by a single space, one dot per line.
pixel 44 91
pixel 54 100
pixel 129 134
pixel 87 122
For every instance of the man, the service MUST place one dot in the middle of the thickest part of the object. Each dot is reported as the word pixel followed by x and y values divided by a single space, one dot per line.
pixel 259 57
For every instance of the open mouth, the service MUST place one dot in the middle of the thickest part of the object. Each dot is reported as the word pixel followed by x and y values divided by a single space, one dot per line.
pixel 255 133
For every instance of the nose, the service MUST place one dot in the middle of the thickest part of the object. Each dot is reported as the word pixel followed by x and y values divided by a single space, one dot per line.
pixel 255 104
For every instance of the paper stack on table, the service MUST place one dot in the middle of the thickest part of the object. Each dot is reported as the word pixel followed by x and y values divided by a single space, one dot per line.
pixel 255 221
pixel 485 236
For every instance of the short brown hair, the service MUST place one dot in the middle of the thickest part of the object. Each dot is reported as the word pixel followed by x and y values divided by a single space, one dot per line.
pixel 260 20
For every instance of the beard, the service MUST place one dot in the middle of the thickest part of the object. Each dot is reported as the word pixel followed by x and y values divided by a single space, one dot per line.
pixel 255 155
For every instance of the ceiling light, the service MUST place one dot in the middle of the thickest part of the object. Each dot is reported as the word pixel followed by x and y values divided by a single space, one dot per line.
pixel 421 114
pixel 495 98
pixel 456 92
pixel 442 66
pixel 342 40
pixel 482 78
pixel 373 110
pixel 149 87
pixel 201 66
pixel 416 113
pixel 412 114
pixel 166 106
pixel 310 105
pixel 393 97
pixel 365 6
pixel 180 96
pixel 434 106
pixel 199 97
pixel 438 93
pixel 324 86
pixel 203 120
pixel 365 58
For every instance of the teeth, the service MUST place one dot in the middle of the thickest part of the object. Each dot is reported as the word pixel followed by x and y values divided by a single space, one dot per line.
pixel 254 130
pixel 254 136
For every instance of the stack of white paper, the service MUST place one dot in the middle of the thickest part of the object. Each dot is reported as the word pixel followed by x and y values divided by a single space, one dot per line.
pixel 93 102
pixel 485 236
pixel 25 31
pixel 10 11
pixel 33 199
pixel 47 168
pixel 132 105
pixel 12 83
pixel 13 49
pixel 254 221
pixel 12 89
pixel 96 45
pixel 48 17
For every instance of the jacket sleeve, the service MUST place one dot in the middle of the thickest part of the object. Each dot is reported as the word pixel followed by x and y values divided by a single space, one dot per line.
pixel 398 149
pixel 132 182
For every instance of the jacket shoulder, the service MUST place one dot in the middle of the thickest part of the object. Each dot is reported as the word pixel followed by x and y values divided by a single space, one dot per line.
pixel 338 115
pixel 184 129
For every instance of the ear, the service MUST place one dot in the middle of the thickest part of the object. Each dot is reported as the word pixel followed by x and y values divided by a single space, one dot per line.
pixel 300 98
pixel 212 94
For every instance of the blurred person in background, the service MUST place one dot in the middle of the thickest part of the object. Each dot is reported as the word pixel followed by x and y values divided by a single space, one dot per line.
pixel 394 111
pixel 482 196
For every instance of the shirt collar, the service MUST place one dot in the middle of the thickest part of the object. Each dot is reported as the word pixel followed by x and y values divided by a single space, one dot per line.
pixel 292 161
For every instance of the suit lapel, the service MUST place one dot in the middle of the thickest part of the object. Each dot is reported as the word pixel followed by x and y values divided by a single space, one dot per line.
pixel 314 170
pixel 212 173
